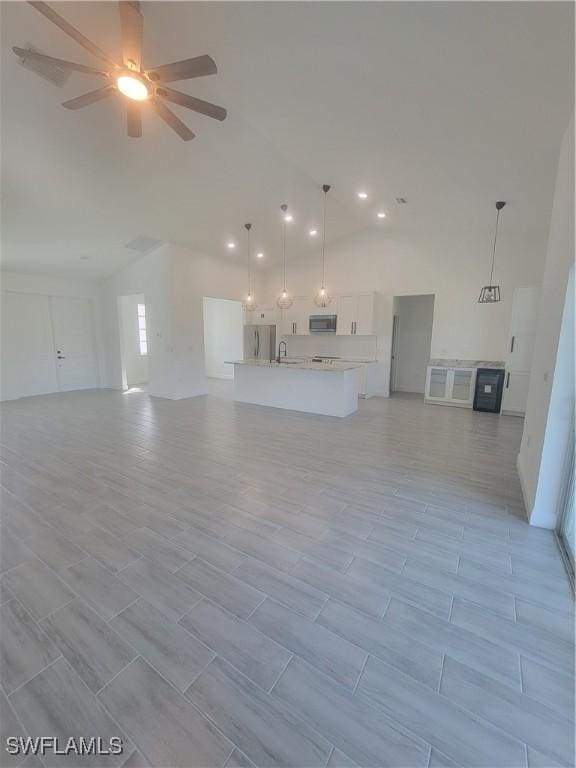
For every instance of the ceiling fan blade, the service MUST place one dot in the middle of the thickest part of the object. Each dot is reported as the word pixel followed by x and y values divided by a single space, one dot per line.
pixel 89 98
pixel 131 23
pixel 23 53
pixel 134 120
pixel 173 121
pixel 183 70
pixel 55 18
pixel 198 105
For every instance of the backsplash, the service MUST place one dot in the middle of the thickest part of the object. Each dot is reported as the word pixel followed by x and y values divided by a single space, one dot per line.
pixel 353 347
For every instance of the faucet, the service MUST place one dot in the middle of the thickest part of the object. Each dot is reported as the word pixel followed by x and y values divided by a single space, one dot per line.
pixel 285 350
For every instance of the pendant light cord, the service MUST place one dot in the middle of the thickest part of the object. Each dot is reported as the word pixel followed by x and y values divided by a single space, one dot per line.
pixel 284 250
pixel 494 247
pixel 324 242
pixel 249 267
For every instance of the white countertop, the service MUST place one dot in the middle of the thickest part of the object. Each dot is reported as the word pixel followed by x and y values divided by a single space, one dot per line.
pixel 334 366
pixel 456 363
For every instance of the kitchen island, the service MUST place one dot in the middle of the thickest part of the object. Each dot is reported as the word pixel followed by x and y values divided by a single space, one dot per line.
pixel 327 388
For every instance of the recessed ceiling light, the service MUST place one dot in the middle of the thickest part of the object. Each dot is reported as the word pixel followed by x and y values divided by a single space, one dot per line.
pixel 260 255
pixel 381 215
pixel 313 232
pixel 288 217
pixel 363 195
pixel 231 245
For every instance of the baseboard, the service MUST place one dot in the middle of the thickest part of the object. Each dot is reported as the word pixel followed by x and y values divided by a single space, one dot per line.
pixel 523 487
pixel 447 405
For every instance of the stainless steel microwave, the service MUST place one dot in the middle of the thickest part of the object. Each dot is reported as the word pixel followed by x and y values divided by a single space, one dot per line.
pixel 322 324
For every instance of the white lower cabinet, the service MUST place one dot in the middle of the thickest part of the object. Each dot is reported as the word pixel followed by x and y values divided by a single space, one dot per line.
pixel 450 386
pixel 515 393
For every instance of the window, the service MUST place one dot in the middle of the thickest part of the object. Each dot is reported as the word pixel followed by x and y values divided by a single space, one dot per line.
pixel 142 329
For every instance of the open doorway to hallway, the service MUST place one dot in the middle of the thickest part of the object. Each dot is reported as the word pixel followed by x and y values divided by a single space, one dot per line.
pixel 223 338
pixel 133 340
pixel 411 340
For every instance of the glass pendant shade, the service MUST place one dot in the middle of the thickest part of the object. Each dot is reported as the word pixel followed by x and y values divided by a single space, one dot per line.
pixel 249 303
pixel 322 298
pixel 284 301
pixel 490 294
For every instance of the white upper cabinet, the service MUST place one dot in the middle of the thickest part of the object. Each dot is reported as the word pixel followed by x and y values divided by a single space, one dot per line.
pixel 356 315
pixel 295 321
pixel 365 315
pixel 346 311
pixel 267 314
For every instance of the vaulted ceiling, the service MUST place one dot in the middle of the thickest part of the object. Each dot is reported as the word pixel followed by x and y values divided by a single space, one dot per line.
pixel 451 105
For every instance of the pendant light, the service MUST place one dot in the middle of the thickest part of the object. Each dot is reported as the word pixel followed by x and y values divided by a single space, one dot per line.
pixel 490 294
pixel 284 301
pixel 249 303
pixel 322 299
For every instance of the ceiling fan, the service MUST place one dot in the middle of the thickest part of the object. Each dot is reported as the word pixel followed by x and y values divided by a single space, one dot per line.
pixel 129 78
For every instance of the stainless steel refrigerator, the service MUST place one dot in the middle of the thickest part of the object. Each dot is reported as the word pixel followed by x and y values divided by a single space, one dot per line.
pixel 259 342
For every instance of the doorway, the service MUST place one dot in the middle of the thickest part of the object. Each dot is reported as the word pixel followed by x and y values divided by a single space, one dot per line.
pixel 411 340
pixel 133 340
pixel 223 337
pixel 48 345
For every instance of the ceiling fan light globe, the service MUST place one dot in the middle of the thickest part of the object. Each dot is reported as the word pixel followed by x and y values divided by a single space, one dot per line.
pixel 132 87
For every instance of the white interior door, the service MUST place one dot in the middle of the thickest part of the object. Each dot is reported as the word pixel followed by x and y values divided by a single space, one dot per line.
pixel 74 343
pixel 28 360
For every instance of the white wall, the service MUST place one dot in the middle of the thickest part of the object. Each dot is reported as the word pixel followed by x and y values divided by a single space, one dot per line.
pixel 223 336
pixel 135 365
pixel 448 259
pixel 174 281
pixel 349 347
pixel 549 418
pixel 415 315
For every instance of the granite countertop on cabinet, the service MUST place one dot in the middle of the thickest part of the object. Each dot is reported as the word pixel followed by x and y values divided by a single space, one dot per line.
pixel 456 363
pixel 298 364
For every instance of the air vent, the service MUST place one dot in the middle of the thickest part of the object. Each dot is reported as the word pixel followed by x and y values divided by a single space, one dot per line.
pixel 401 200
pixel 143 244
pixel 49 72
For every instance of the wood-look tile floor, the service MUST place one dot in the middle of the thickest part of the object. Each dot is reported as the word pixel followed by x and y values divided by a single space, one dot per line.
pixel 221 584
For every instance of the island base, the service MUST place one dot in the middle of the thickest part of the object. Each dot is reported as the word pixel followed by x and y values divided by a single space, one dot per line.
pixel 328 393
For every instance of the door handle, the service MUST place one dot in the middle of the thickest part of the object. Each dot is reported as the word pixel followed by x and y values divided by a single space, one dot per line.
pixel 512 344
pixel 60 358
pixel 257 343
pixel 507 379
